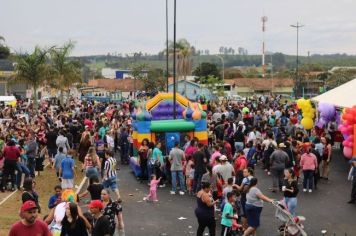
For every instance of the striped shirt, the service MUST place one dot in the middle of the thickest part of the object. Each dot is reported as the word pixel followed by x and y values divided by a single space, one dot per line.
pixel 110 167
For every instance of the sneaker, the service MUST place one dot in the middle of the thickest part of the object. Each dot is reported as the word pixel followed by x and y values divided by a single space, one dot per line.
pixel 181 193
pixel 310 191
pixel 172 192
pixel 351 202
pixel 304 190
pixel 155 200
pixel 145 198
pixel 162 186
pixel 268 173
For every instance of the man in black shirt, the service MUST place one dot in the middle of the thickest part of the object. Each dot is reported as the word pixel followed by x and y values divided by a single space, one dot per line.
pixel 200 161
pixel 51 137
pixel 101 224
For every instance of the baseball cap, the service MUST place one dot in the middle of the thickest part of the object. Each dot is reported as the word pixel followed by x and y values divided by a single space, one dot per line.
pixel 241 123
pixel 282 145
pixel 28 205
pixel 95 204
pixel 223 158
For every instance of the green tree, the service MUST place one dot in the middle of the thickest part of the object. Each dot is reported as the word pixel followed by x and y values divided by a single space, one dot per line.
pixel 233 73
pixel 136 73
pixel 155 80
pixel 4 50
pixel 340 77
pixel 32 69
pixel 184 62
pixel 204 70
pixel 65 72
pixel 215 85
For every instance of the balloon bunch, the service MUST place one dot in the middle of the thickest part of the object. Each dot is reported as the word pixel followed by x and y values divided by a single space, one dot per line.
pixel 327 113
pixel 347 129
pixel 308 113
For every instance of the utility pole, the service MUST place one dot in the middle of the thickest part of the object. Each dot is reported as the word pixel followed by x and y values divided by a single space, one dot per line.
pixel 297 86
pixel 174 61
pixel 167 65
pixel 264 20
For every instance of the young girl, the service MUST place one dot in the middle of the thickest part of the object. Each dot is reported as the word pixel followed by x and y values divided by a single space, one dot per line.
pixel 153 189
pixel 188 168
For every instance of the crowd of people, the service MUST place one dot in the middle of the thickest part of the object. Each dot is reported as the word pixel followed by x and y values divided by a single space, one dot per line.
pixel 82 137
pixel 264 133
pixel 94 137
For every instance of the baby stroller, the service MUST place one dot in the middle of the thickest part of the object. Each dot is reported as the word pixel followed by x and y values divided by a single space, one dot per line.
pixel 291 225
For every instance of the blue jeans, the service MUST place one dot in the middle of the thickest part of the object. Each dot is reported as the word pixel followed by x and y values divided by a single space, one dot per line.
pixel 110 183
pixel 308 179
pixel 21 168
pixel 174 180
pixel 31 164
pixel 239 146
pixel 291 203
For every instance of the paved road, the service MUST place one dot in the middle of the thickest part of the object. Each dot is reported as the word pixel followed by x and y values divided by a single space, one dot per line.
pixel 325 208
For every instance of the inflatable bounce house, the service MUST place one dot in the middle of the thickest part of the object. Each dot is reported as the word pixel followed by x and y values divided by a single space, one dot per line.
pixel 154 121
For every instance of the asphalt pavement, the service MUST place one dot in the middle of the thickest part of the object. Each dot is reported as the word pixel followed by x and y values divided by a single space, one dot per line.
pixel 173 215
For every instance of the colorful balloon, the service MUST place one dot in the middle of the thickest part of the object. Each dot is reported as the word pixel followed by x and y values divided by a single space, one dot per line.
pixel 347 152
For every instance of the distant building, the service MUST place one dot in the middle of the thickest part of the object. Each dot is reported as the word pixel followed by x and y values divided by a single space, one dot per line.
pixel 126 86
pixel 251 86
pixel 109 73
pixel 190 90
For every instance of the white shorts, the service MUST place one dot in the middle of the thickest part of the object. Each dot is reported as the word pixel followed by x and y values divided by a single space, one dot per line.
pixel 67 183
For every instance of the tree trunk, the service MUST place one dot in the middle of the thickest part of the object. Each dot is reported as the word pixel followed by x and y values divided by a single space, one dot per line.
pixel 61 98
pixel 35 103
pixel 68 100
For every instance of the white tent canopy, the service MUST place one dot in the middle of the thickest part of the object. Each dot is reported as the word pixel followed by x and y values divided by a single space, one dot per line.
pixel 342 96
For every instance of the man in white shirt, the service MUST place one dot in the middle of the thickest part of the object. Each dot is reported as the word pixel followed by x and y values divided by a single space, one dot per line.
pixel 225 169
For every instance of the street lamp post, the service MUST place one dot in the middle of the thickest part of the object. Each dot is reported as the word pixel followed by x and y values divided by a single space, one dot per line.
pixel 174 61
pixel 297 26
pixel 167 65
pixel 223 66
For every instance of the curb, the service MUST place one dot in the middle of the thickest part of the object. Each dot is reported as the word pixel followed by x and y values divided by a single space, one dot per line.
pixel 81 185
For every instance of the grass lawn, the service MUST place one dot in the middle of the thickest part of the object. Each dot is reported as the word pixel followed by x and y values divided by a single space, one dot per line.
pixel 45 183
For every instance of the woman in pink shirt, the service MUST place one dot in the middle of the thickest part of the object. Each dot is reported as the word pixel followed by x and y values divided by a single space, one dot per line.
pixel 191 149
pixel 216 154
pixel 308 163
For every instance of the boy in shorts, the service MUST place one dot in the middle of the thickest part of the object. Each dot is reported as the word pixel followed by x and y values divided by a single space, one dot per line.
pixel 110 173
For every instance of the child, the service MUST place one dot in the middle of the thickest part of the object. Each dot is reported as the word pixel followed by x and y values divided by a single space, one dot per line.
pixel 236 227
pixel 94 189
pixel 228 215
pixel 190 176
pixel 226 190
pixel 153 189
pixel 58 158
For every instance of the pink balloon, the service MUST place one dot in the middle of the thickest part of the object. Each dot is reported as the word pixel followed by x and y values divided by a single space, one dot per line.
pixel 348 152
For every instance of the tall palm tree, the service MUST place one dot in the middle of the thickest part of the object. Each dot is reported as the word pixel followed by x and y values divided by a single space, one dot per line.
pixel 184 61
pixel 65 72
pixel 32 69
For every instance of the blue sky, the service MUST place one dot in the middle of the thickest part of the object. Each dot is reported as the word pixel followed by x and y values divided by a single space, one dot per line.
pixel 126 26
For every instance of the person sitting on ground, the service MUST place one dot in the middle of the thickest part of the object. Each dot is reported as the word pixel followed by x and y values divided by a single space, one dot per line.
pixel 56 198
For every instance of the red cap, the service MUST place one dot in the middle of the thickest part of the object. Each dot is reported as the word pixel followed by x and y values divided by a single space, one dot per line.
pixel 28 205
pixel 96 204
